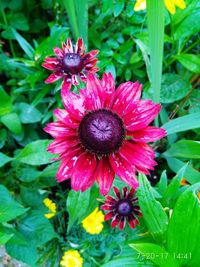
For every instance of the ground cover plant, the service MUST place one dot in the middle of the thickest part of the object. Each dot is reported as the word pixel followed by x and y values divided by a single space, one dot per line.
pixel 99 132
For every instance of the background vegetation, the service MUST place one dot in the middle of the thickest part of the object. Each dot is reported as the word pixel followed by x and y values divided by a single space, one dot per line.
pixel 29 32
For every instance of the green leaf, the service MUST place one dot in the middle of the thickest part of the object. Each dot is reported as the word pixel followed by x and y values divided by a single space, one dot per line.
pixel 162 184
pixel 5 102
pixel 28 49
pixel 77 201
pixel 25 253
pixel 173 88
pixel 35 153
pixel 4 159
pixel 155 18
pixel 19 21
pixel 184 123
pixel 188 26
pixel 190 62
pixel 186 149
pixel 156 254
pixel 27 113
pixel 12 122
pixel 71 12
pixel 4 237
pixel 128 258
pixel 152 211
pixel 191 175
pixel 37 228
pixel 9 208
pixel 172 191
pixel 118 7
pixel 183 231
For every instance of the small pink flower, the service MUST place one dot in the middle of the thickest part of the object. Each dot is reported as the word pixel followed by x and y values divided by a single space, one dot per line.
pixel 70 64
pixel 103 132
pixel 124 207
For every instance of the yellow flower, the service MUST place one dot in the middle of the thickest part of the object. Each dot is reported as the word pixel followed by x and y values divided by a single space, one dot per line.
pixel 170 5
pixel 93 223
pixel 71 258
pixel 51 206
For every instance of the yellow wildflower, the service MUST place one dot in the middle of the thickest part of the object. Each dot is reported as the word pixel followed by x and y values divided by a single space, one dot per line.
pixel 198 195
pixel 170 5
pixel 93 223
pixel 51 206
pixel 71 258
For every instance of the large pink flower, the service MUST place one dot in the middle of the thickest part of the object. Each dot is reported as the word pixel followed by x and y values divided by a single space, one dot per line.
pixel 70 64
pixel 103 132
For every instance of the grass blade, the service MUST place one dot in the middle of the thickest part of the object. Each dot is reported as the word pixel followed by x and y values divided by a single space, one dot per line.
pixel 155 17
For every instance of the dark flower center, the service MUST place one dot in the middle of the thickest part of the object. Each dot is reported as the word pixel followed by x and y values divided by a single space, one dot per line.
pixel 124 207
pixel 101 132
pixel 72 63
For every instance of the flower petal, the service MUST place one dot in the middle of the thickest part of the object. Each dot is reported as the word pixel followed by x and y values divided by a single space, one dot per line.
pixel 148 134
pixel 80 47
pixel 50 66
pixel 90 55
pixel 108 89
pixel 122 223
pixel 132 221
pixel 74 104
pixel 59 52
pixel 59 130
pixel 52 60
pixel 91 94
pixel 116 192
pixel 68 47
pixel 66 167
pixel 65 117
pixel 104 175
pixel 108 216
pixel 125 96
pixel 54 77
pixel 123 169
pixel 83 171
pixel 60 146
pixel 144 112
pixel 139 155
pixel 115 221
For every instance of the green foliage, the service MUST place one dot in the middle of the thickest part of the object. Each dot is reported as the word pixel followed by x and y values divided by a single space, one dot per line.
pixel 9 208
pixel 130 45
pixel 153 213
pixel 35 153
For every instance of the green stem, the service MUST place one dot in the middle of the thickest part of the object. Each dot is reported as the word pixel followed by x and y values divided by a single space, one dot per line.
pixel 155 18
pixel 6 23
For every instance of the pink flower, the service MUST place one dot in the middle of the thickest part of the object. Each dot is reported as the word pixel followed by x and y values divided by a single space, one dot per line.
pixel 71 63
pixel 124 207
pixel 103 132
